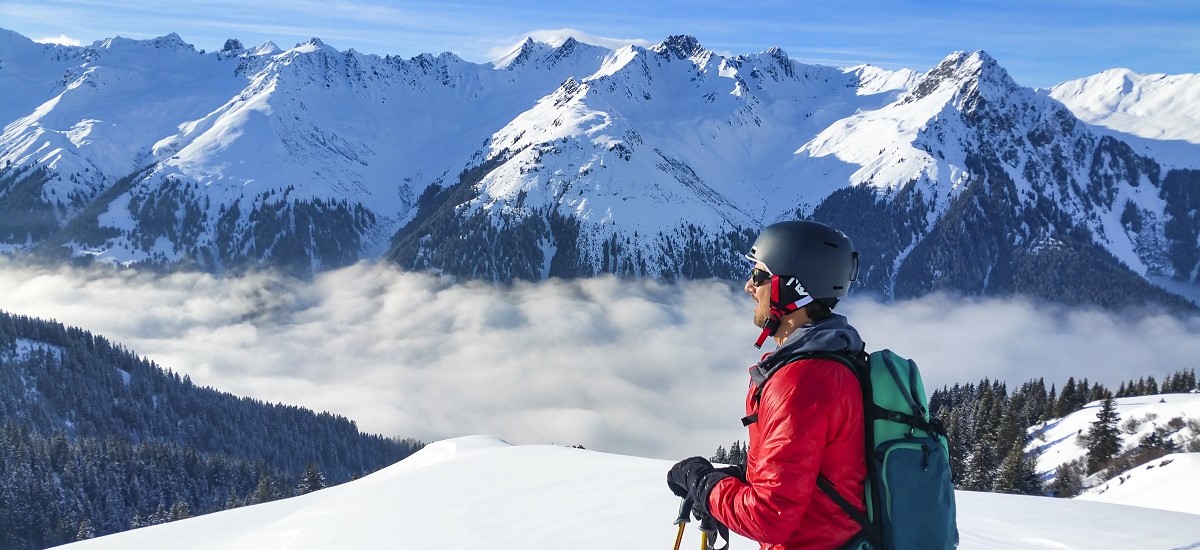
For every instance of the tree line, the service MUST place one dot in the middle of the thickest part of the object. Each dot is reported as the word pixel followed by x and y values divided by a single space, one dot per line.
pixel 97 440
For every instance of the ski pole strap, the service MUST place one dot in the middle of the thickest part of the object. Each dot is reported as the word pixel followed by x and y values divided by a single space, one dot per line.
pixel 713 530
pixel 685 511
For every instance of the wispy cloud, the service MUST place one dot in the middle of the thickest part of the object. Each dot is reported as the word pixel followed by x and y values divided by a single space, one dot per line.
pixel 61 39
pixel 637 367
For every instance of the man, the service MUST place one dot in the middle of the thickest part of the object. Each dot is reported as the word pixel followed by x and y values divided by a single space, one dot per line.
pixel 807 422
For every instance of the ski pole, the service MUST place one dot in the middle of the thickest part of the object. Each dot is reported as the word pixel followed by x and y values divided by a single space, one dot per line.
pixel 711 532
pixel 685 510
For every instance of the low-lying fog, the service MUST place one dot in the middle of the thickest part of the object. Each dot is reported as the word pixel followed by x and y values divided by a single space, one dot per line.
pixel 634 367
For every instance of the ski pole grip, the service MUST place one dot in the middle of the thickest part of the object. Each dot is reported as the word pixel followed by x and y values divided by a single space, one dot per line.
pixel 685 511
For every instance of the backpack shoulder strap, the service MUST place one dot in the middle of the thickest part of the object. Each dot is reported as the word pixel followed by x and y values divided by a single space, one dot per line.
pixel 860 365
pixel 762 372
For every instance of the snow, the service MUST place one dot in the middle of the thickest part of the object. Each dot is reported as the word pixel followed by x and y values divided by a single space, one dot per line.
pixel 26 346
pixel 1155 484
pixel 1156 106
pixel 479 492
pixel 1157 114
pixel 1056 443
pixel 611 134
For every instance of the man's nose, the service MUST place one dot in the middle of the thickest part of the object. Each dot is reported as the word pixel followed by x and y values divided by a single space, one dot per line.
pixel 749 287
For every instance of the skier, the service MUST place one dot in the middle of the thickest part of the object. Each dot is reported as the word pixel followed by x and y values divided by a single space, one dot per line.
pixel 807 423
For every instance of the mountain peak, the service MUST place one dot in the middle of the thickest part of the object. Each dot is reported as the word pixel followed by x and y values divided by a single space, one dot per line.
pixel 268 48
pixel 172 39
pixel 680 46
pixel 169 42
pixel 313 44
pixel 519 54
pixel 961 71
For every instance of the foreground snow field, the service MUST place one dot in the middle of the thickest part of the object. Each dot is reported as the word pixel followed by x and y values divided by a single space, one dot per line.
pixel 479 492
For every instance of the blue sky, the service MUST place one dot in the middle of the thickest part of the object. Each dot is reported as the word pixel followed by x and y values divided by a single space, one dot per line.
pixel 1041 43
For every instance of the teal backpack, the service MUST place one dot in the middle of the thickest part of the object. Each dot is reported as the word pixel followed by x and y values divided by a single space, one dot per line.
pixel 909 489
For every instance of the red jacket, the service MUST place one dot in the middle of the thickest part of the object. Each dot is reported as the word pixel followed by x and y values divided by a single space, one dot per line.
pixel 810 421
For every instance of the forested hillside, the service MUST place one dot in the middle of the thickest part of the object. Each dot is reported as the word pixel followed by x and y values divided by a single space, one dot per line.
pixel 97 440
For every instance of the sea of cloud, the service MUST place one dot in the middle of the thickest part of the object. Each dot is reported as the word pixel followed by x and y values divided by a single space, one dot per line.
pixel 645 367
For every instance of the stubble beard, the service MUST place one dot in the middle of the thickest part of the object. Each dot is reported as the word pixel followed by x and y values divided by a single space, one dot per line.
pixel 760 316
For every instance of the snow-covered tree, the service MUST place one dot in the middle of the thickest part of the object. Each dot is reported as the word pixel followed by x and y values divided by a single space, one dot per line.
pixel 1104 437
pixel 311 480
pixel 1018 474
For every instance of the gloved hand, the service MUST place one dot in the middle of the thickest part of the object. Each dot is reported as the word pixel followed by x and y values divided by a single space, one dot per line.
pixel 693 478
pixel 685 476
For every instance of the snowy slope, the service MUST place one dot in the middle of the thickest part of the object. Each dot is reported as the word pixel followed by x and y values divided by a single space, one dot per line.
pixel 1155 106
pixel 1156 113
pixel 1155 484
pixel 1056 443
pixel 478 492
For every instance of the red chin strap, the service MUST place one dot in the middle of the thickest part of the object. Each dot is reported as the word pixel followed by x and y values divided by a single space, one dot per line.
pixel 781 310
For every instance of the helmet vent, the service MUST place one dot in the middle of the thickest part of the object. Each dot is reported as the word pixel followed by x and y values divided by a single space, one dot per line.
pixel 834 245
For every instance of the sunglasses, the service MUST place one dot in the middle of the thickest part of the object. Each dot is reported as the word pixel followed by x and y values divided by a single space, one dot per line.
pixel 759 277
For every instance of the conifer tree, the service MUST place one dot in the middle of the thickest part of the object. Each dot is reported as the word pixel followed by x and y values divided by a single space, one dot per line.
pixel 267 490
pixel 1011 432
pixel 737 453
pixel 980 474
pixel 957 439
pixel 1066 400
pixel 1018 474
pixel 1068 481
pixel 85 530
pixel 311 480
pixel 180 510
pixel 1104 437
pixel 1051 411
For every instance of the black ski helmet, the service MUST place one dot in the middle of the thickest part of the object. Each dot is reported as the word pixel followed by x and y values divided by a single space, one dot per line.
pixel 820 257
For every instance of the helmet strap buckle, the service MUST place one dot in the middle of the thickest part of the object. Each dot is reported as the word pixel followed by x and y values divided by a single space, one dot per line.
pixel 795 301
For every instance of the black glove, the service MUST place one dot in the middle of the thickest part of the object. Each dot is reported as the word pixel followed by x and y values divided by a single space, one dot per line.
pixel 694 478
pixel 685 476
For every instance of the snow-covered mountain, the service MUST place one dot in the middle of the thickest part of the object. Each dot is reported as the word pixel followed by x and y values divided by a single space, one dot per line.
pixel 1156 113
pixel 479 492
pixel 571 160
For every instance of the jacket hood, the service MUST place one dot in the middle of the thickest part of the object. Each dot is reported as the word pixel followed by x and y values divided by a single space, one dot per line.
pixel 833 333
pixel 830 334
